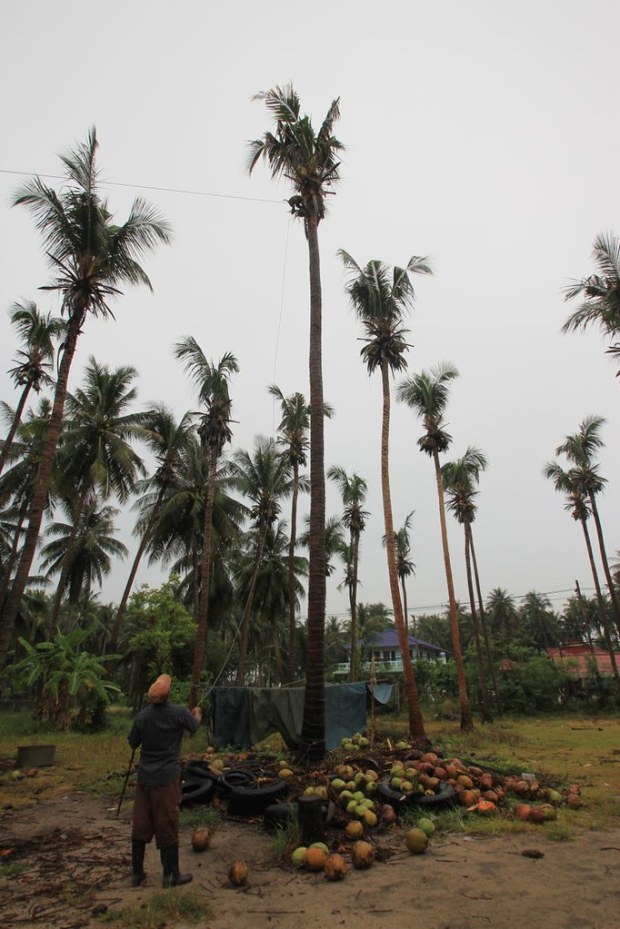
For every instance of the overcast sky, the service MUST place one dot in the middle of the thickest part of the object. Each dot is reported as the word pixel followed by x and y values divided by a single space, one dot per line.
pixel 483 134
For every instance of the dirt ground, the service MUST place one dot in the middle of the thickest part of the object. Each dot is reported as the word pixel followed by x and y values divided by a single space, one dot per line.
pixel 76 857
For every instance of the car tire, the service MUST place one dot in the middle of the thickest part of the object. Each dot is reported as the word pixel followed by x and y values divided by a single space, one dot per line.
pixel 246 801
pixel 197 790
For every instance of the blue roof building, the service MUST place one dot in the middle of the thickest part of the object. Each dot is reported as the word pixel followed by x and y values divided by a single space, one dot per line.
pixel 385 650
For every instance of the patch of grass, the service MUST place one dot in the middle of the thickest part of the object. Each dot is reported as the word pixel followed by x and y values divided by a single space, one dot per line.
pixel 285 840
pixel 12 868
pixel 200 816
pixel 559 831
pixel 163 909
pixel 458 820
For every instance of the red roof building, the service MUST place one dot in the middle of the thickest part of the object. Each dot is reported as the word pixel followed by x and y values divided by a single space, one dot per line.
pixel 581 659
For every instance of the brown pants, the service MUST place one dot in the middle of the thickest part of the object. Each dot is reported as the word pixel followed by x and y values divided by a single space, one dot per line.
pixel 156 813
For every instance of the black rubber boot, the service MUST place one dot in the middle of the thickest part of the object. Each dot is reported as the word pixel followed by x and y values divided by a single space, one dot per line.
pixel 137 862
pixel 170 861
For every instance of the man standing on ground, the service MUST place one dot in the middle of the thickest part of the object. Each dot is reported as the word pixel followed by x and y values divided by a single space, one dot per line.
pixel 158 730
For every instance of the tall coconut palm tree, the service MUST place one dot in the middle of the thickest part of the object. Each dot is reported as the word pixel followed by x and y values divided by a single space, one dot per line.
pixel 405 567
pixel 503 616
pixel 294 428
pixel 166 439
pixel 212 382
pixel 569 483
pixel 353 490
pixel 372 619
pixel 263 477
pixel 334 540
pixel 380 299
pixel 87 553
pixel 601 293
pixel 580 449
pixel 92 258
pixel 270 599
pixel 427 394
pixel 96 454
pixel 178 535
pixel 17 484
pixel 539 620
pixel 459 478
pixel 33 363
pixel 309 161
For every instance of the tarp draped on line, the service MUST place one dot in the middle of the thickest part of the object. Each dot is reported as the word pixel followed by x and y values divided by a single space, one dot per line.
pixel 243 716
pixel 381 692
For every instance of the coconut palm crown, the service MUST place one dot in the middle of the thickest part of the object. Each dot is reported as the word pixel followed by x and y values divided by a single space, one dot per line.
pixel 307 159
pixel 601 293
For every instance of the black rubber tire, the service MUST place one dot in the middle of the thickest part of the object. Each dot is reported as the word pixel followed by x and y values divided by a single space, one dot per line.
pixel 447 796
pixel 198 769
pixel 397 799
pixel 245 801
pixel 279 815
pixel 364 762
pixel 237 777
pixel 197 790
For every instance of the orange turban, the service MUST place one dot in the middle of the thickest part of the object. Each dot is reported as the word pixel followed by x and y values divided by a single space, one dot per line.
pixel 159 691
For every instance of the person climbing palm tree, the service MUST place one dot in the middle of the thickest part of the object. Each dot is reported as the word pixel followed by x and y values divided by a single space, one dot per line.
pixel 309 160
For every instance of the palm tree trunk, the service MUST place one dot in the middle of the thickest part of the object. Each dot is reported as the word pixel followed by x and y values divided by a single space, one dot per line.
pixel 353 670
pixel 247 611
pixel 146 535
pixel 605 562
pixel 483 623
pixel 292 626
pixel 205 578
pixel 6 445
pixel 277 652
pixel 35 515
pixel 467 723
pixel 403 588
pixel 601 606
pixel 312 743
pixel 65 564
pixel 8 567
pixel 484 690
pixel 416 722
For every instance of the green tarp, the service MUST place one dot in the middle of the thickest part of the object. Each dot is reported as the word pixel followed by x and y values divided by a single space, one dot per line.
pixel 243 716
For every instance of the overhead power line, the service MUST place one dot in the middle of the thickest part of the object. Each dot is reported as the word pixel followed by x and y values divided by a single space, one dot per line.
pixel 168 190
pixel 551 594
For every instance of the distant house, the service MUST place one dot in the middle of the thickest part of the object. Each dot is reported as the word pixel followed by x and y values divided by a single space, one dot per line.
pixel 385 650
pixel 580 659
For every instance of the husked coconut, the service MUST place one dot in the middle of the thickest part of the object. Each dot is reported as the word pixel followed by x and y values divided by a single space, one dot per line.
pixel 335 867
pixel 238 873
pixel 362 855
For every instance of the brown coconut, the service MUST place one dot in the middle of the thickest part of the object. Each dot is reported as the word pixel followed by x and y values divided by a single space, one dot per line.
pixel 522 811
pixel 315 858
pixel 335 867
pixel 537 815
pixel 362 855
pixel 201 839
pixel 238 873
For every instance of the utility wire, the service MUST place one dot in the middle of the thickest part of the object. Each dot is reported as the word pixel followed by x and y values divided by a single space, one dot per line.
pixel 168 190
pixel 559 594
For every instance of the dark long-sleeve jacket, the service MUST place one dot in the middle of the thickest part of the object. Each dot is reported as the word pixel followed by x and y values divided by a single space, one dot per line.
pixel 158 731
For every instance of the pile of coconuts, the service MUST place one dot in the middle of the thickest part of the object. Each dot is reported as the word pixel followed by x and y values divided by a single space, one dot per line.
pixel 353 785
